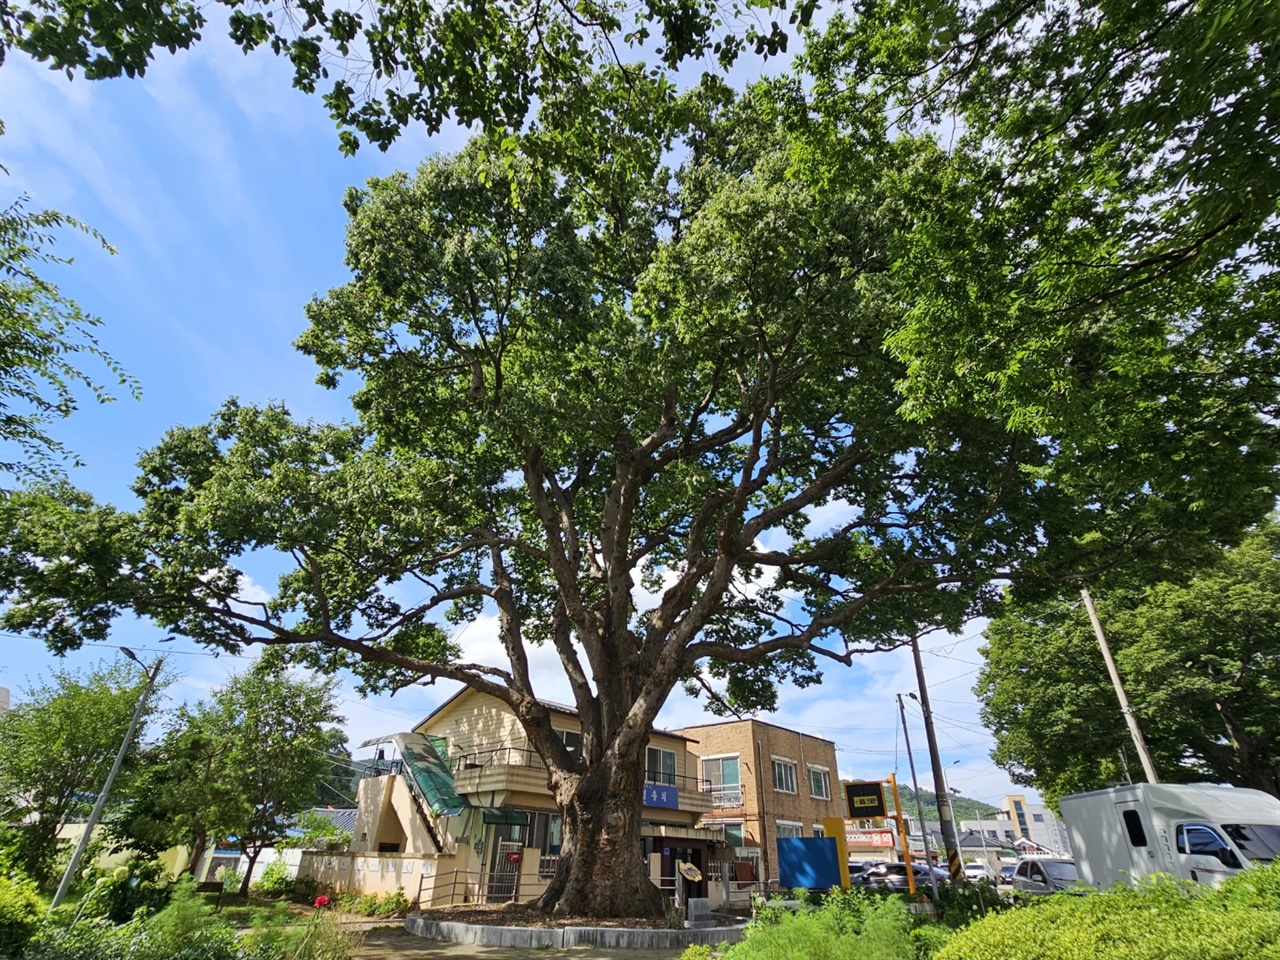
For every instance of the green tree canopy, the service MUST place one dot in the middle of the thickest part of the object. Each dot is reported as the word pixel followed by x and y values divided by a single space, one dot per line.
pixel 43 338
pixel 1200 660
pixel 56 747
pixel 577 380
pixel 274 731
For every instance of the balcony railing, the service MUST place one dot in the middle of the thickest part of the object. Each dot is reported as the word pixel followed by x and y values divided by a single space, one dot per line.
pixel 681 783
pixel 726 796
pixel 496 757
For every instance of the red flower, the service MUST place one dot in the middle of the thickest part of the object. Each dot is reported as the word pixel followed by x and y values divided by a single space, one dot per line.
pixel 322 901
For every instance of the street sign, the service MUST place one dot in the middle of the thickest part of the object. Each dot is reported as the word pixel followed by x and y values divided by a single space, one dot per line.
pixel 865 799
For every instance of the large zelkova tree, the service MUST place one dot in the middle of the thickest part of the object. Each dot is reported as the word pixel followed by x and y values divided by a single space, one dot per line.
pixel 583 384
pixel 1200 659
pixel 56 748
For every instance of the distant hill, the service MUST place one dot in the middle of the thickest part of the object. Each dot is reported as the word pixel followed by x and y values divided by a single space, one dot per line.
pixel 965 808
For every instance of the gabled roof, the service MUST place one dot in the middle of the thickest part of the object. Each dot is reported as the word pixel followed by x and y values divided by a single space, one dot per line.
pixel 561 708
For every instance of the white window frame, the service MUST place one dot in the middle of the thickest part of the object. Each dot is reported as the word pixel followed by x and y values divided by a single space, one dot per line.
pixel 789 824
pixel 785 762
pixel 813 768
pixel 819 830
pixel 741 825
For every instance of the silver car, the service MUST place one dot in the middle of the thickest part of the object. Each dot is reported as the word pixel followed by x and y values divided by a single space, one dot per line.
pixel 1039 876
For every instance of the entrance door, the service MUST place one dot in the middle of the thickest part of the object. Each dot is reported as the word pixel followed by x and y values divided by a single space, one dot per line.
pixel 504 871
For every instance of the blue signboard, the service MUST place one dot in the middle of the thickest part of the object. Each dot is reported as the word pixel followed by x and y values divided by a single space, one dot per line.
pixel 656 795
pixel 809 862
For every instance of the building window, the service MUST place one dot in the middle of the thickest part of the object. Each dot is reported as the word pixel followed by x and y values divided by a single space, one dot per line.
pixel 788 829
pixel 726 781
pixel 660 767
pixel 1021 815
pixel 993 834
pixel 734 835
pixel 819 830
pixel 819 783
pixel 547 832
pixel 1038 817
pixel 784 775
pixel 572 741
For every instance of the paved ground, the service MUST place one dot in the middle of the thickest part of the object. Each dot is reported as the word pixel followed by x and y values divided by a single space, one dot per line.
pixel 398 944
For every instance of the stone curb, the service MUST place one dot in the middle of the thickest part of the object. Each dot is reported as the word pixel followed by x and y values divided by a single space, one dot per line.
pixel 618 938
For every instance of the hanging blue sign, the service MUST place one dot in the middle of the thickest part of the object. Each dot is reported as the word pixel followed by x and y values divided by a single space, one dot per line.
pixel 656 795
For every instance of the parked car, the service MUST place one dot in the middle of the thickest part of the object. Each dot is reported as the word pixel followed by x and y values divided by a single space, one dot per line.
pixel 1006 874
pixel 1038 876
pixel 978 871
pixel 892 877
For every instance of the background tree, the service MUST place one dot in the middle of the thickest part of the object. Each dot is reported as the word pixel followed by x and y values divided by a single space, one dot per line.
pixel 339 781
pixel 576 381
pixel 183 793
pixel 277 732
pixel 1200 659
pixel 56 747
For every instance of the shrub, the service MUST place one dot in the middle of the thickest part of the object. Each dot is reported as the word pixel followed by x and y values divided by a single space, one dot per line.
pixel 696 951
pixel 276 880
pixel 886 932
pixel 808 935
pixel 959 904
pixel 185 913
pixel 120 892
pixel 1162 919
pixel 21 910
pixel 230 878
pixel 396 904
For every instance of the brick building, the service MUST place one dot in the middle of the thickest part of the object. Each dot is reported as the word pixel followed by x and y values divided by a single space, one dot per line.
pixel 766 782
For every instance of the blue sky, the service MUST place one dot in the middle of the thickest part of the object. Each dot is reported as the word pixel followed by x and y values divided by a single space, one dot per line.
pixel 220 187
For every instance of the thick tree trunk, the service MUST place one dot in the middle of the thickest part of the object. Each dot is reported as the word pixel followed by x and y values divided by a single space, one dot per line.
pixel 602 870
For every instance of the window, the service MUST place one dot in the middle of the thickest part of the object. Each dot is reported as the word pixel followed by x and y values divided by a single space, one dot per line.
pixel 1133 827
pixel 1257 841
pixel 786 828
pixel 1197 838
pixel 1038 817
pixel 993 834
pixel 734 836
pixel 660 767
pixel 547 830
pixel 819 783
pixel 819 830
pixel 726 781
pixel 784 775
pixel 572 741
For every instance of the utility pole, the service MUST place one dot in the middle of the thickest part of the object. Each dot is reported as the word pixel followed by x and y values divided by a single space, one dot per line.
pixel 1134 730
pixel 92 822
pixel 915 785
pixel 946 821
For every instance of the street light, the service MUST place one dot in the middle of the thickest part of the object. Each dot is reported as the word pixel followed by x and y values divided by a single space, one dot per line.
pixel 92 822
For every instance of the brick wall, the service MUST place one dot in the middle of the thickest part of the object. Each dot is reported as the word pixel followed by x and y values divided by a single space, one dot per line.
pixel 764 808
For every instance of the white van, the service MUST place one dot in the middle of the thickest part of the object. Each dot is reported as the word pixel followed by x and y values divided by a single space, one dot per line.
pixel 1199 832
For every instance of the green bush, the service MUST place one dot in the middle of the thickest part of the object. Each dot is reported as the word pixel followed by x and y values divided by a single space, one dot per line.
pixel 21 910
pixel 959 904
pixel 276 880
pixel 230 879
pixel 886 932
pixel 696 951
pixel 807 935
pixel 1162 919
pixel 120 892
pixel 397 904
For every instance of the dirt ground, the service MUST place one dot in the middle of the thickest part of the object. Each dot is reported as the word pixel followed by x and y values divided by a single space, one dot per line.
pixel 396 943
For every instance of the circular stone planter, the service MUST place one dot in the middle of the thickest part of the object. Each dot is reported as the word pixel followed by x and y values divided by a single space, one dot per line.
pixel 618 938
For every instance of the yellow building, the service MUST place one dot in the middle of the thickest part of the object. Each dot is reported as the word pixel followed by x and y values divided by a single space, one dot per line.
pixel 459 810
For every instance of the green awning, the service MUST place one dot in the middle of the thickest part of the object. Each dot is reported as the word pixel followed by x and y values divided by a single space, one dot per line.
pixel 502 815
pixel 429 772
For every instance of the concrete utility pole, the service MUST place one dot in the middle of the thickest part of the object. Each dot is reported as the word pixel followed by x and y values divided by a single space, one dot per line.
pixel 1135 731
pixel 949 840
pixel 70 872
pixel 915 785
